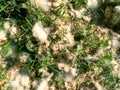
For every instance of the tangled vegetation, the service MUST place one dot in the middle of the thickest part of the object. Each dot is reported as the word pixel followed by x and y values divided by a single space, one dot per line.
pixel 89 40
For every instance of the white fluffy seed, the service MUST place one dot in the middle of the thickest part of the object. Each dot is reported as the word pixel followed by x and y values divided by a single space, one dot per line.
pixel 2 35
pixel 39 33
pixel 43 4
pixel 93 3
pixel 6 25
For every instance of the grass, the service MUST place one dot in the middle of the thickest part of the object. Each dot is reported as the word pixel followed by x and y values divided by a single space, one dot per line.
pixel 2 73
pixel 77 4
pixel 85 35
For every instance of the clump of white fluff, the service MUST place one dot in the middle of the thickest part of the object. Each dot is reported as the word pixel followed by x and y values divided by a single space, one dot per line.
pixel 43 4
pixel 6 25
pixel 68 73
pixel 117 9
pixel 69 37
pixel 93 3
pixel 39 33
pixel 44 83
pixel 18 81
pixel 58 2
pixel 3 37
pixel 115 43
pixel 11 28
pixel 116 67
pixel 67 68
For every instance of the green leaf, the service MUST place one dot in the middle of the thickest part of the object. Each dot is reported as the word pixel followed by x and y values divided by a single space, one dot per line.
pixel 3 8
pixel 23 28
pixel 28 21
pixel 106 57
pixel 60 10
pixel 96 69
pixel 48 58
pixel 60 82
pixel 6 49
pixel 28 46
pixel 105 42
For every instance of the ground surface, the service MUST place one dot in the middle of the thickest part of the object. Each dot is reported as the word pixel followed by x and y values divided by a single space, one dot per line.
pixel 59 45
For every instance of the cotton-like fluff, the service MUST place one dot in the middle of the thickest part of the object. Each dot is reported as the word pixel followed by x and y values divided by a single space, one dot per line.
pixel 93 3
pixel 6 25
pixel 115 43
pixel 69 37
pixel 21 82
pixel 44 83
pixel 17 80
pixel 11 28
pixel 13 31
pixel 3 37
pixel 25 81
pixel 39 33
pixel 117 9
pixel 116 67
pixel 79 13
pixel 56 3
pixel 68 73
pixel 43 4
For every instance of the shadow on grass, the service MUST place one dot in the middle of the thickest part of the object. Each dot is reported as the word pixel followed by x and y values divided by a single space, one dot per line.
pixel 106 15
